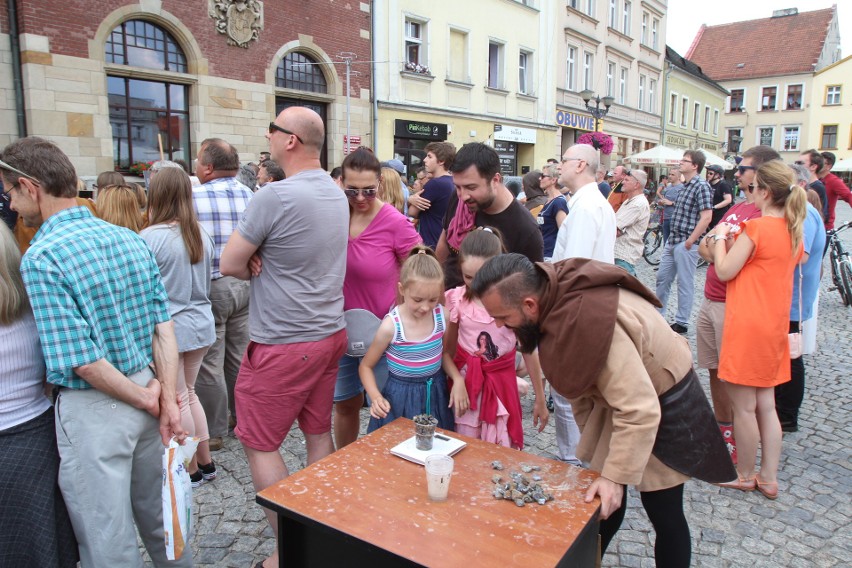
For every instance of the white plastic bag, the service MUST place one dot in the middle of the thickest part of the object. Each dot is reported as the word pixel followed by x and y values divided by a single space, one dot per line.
pixel 177 496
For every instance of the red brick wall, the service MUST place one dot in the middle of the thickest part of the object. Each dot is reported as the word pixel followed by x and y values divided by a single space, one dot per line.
pixel 334 25
pixel 4 17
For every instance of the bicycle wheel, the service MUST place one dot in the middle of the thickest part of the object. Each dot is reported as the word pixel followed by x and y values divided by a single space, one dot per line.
pixel 653 246
pixel 846 281
pixel 836 277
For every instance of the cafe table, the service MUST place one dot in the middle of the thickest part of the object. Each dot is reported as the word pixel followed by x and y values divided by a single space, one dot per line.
pixel 363 506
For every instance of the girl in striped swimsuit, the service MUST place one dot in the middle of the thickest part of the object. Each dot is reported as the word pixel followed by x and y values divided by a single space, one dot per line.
pixel 411 336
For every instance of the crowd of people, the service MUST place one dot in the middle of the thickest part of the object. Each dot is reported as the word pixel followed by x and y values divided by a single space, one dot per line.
pixel 207 303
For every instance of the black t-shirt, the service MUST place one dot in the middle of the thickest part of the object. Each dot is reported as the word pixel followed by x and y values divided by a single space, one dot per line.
pixel 438 191
pixel 719 191
pixel 819 187
pixel 516 224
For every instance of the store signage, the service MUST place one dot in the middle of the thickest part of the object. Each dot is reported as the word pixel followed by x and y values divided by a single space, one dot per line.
pixel 570 119
pixel 508 153
pixel 421 130
pixel 674 140
pixel 514 134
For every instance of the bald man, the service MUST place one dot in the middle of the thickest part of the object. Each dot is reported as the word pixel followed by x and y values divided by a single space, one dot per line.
pixel 294 233
pixel 631 221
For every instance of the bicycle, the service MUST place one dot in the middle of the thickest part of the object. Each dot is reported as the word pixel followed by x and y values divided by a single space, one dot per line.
pixel 653 239
pixel 841 265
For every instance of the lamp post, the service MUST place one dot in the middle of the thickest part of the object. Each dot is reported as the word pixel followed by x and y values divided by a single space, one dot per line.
pixel 596 111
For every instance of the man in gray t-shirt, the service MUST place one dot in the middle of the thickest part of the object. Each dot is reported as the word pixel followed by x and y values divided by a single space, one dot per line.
pixel 291 243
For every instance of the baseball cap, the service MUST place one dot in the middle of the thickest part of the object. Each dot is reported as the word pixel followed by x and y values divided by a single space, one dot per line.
pixel 716 169
pixel 396 165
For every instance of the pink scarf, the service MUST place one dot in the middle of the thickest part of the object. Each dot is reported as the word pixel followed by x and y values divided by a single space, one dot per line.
pixel 463 221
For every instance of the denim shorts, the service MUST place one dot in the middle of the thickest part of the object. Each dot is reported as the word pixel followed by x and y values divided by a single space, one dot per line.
pixel 349 383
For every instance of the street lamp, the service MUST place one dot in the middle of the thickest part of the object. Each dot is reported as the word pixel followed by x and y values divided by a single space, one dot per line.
pixel 596 111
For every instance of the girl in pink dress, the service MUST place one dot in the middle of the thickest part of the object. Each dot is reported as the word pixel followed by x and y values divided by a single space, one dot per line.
pixel 485 355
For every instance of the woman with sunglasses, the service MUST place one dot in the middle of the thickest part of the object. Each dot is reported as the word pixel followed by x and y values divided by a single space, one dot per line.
pixel 380 238
pixel 755 355
pixel 555 211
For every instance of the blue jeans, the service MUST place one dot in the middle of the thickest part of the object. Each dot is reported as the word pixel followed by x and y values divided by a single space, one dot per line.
pixel 626 266
pixel 349 382
pixel 667 227
pixel 677 262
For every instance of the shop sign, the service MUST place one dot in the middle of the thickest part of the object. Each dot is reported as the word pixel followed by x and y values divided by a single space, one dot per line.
pixel 514 134
pixel 421 130
pixel 576 121
pixel 508 153
pixel 674 140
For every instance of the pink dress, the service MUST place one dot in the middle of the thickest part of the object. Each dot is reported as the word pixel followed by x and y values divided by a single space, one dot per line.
pixel 480 336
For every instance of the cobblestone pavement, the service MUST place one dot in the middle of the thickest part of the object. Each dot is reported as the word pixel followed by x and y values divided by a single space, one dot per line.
pixel 808 525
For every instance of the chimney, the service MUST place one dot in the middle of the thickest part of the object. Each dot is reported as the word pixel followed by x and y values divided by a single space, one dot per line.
pixel 785 12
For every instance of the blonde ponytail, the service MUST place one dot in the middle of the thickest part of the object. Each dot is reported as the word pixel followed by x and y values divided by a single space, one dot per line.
pixel 795 209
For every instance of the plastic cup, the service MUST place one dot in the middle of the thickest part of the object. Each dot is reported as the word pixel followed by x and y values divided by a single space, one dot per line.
pixel 439 471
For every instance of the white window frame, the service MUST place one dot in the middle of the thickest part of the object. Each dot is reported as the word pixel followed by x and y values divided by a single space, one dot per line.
pixel 652 98
pixel 610 78
pixel 642 81
pixel 715 122
pixel 684 112
pixel 784 130
pixel 644 37
pixel 525 71
pixel 588 69
pixel 758 138
pixel 613 13
pixel 420 41
pixel 707 118
pixel 728 132
pixel 655 36
pixel 760 98
pixel 590 8
pixel 462 60
pixel 673 107
pixel 500 67
pixel 801 97
pixel 622 86
pixel 626 16
pixel 731 98
pixel 571 68
pixel 832 97
pixel 696 115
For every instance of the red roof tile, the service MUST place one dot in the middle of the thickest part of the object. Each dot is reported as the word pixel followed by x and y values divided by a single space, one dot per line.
pixel 766 47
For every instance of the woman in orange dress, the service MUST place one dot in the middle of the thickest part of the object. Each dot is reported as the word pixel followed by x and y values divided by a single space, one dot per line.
pixel 755 355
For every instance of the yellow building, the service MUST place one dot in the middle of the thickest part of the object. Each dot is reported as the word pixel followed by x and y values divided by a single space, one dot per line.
pixel 443 71
pixel 831 110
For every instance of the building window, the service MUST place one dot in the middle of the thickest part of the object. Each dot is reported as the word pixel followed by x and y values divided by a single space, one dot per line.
pixel 791 138
pixel 626 17
pixel 142 112
pixel 495 65
pixel 696 115
pixel 574 4
pixel 622 87
pixel 644 37
pixel 715 121
pixel 832 95
pixel 590 7
pixel 736 100
pixel 613 9
pixel 588 68
pixel 673 108
pixel 571 69
pixel 415 51
pixel 706 119
pixel 652 96
pixel 655 24
pixel 734 145
pixel 524 72
pixel 642 92
pixel 457 64
pixel 300 72
pixel 684 112
pixel 610 79
pixel 765 135
pixel 768 98
pixel 828 138
pixel 794 97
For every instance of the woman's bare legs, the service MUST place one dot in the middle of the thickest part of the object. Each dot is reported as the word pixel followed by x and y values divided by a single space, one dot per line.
pixel 770 435
pixel 744 404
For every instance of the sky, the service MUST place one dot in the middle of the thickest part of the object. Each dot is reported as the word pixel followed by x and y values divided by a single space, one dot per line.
pixel 684 19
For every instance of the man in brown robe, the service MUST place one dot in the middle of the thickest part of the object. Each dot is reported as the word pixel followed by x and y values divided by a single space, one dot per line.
pixel 604 346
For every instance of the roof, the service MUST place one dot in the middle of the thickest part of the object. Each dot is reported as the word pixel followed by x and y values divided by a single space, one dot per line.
pixel 767 47
pixel 691 68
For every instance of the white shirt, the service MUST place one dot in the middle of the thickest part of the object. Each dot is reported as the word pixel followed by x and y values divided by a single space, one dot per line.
pixel 589 229
pixel 632 219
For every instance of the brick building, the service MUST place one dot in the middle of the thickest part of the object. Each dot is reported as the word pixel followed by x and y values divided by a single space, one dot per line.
pixel 109 80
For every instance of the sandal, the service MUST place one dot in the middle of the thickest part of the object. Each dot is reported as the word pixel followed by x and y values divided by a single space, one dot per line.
pixel 769 489
pixel 740 484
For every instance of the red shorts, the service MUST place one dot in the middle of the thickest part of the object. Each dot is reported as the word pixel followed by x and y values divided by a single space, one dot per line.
pixel 279 384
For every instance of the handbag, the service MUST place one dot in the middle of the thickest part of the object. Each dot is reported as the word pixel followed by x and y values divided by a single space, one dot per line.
pixel 361 327
pixel 795 339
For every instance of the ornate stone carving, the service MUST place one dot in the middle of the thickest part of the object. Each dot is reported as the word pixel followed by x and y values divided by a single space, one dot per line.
pixel 240 20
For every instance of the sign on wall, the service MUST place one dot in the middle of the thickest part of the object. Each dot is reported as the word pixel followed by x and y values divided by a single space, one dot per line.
pixel 514 134
pixel 420 130
pixel 576 121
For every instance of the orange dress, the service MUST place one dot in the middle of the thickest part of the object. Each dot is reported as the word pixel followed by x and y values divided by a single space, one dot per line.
pixel 755 351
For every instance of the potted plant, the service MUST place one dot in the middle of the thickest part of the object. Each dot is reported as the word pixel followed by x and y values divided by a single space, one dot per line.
pixel 598 140
pixel 424 430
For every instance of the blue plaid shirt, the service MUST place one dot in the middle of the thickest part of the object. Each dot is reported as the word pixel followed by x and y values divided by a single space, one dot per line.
pixel 695 197
pixel 220 204
pixel 96 294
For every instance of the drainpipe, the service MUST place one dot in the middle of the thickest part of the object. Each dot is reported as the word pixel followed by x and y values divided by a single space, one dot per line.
pixel 664 116
pixel 373 93
pixel 17 76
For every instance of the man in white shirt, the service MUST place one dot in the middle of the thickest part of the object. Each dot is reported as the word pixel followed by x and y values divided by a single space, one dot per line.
pixel 632 221
pixel 587 232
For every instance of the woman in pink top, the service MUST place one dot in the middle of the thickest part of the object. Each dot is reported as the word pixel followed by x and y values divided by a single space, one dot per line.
pixel 380 238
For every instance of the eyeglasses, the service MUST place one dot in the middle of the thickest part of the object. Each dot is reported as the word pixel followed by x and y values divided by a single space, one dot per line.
pixel 800 163
pixel 273 127
pixel 6 192
pixel 5 166
pixel 368 193
pixel 572 160
pixel 685 161
pixel 744 169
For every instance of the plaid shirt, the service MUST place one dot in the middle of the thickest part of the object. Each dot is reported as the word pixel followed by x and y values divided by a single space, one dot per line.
pixel 220 204
pixel 96 294
pixel 695 197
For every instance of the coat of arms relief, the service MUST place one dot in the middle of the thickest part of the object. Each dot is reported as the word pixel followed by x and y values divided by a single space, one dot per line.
pixel 240 20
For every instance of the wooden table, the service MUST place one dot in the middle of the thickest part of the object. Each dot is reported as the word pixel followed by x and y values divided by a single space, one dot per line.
pixel 364 506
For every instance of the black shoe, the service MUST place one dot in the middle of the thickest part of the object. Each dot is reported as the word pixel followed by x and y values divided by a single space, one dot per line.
pixel 789 427
pixel 208 471
pixel 677 328
pixel 197 479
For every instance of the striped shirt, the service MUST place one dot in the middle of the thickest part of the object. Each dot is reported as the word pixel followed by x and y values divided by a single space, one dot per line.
pixel 96 294
pixel 220 204
pixel 21 373
pixel 416 359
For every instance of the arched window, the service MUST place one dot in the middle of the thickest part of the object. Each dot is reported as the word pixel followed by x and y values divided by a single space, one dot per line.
pixel 144 112
pixel 301 72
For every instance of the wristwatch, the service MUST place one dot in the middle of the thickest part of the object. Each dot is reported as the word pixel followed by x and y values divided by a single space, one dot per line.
pixel 719 237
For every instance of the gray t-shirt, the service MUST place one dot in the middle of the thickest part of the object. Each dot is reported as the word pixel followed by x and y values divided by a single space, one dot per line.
pixel 188 285
pixel 301 228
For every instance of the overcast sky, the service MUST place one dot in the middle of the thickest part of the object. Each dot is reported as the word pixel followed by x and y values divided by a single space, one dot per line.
pixel 686 16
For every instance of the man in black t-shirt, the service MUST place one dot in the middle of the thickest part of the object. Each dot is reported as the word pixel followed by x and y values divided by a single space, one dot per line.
pixel 430 205
pixel 479 184
pixel 723 195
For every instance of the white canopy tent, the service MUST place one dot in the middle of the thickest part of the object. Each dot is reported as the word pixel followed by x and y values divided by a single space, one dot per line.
pixel 716 160
pixel 656 156
pixel 843 166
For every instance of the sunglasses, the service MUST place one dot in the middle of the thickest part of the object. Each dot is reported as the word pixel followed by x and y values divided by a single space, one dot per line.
pixel 273 127
pixel 369 193
pixel 5 166
pixel 744 169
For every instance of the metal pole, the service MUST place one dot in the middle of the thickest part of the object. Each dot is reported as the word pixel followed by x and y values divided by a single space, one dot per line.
pixel 348 114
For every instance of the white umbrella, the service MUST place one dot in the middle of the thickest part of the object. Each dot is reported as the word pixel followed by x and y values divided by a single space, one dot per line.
pixel 716 160
pixel 658 155
pixel 843 166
